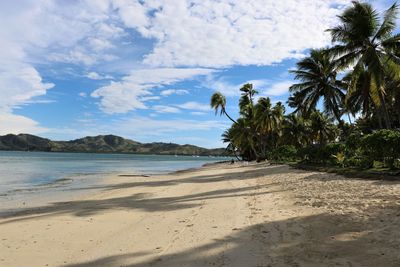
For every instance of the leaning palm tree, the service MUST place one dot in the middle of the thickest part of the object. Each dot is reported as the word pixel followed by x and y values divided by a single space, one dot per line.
pixel 228 137
pixel 242 126
pixel 218 103
pixel 317 76
pixel 366 44
pixel 243 139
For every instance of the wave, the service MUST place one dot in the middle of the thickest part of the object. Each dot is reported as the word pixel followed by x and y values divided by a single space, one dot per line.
pixel 34 188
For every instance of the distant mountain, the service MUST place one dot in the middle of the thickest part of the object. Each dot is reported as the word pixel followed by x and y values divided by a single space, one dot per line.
pixel 101 144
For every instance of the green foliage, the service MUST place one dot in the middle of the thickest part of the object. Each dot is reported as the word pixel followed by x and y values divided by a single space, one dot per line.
pixel 340 158
pixel 317 76
pixel 358 151
pixel 359 162
pixel 321 154
pixel 382 145
pixel 285 153
pixel 365 46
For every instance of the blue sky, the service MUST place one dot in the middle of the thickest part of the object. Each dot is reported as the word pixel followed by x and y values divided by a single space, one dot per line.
pixel 145 70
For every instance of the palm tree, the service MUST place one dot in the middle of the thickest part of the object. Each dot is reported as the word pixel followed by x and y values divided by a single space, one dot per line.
pixel 242 138
pixel 296 102
pixel 278 111
pixel 243 126
pixel 322 128
pixel 263 115
pixel 359 99
pixel 317 75
pixel 246 101
pixel 228 137
pixel 218 102
pixel 278 116
pixel 264 122
pixel 296 131
pixel 368 45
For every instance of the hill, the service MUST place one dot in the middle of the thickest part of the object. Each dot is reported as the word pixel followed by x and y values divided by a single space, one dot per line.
pixel 101 144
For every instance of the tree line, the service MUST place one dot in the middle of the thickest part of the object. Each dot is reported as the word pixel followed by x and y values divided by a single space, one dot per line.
pixel 358 76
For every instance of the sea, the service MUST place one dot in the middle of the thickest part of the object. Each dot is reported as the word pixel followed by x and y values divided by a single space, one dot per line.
pixel 24 175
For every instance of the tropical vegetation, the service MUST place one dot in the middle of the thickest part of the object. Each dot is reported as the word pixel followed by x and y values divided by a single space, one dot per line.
pixel 345 102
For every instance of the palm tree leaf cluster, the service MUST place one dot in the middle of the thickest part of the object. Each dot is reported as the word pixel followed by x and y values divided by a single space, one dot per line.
pixel 365 53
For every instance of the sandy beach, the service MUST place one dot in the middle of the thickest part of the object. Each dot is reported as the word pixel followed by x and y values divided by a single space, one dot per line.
pixel 219 215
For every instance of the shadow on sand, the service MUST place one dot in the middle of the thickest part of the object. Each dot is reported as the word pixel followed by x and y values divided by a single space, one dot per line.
pixel 143 201
pixel 318 240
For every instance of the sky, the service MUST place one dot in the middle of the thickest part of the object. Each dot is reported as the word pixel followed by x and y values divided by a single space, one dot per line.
pixel 145 70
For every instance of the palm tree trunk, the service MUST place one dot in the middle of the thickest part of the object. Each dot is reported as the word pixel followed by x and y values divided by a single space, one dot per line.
pixel 380 120
pixel 236 156
pixel 253 149
pixel 229 117
pixel 251 144
pixel 348 115
pixel 385 111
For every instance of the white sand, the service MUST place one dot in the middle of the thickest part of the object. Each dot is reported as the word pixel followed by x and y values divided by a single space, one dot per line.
pixel 216 216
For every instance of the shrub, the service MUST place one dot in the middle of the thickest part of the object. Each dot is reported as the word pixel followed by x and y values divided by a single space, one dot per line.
pixel 340 158
pixel 322 153
pixel 382 145
pixel 286 152
pixel 353 143
pixel 359 162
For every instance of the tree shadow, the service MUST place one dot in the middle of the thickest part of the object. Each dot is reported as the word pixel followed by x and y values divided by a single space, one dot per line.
pixel 317 240
pixel 241 173
pixel 139 201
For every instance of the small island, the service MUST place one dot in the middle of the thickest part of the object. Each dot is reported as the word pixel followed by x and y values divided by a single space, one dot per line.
pixel 102 144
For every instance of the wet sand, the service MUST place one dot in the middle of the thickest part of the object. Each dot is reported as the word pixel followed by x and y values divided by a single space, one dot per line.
pixel 220 215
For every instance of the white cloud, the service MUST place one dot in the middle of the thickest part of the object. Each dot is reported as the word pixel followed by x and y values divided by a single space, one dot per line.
pixel 165 109
pixel 149 98
pixel 198 113
pixel 169 92
pixel 96 76
pixel 192 105
pixel 278 89
pixel 99 45
pixel 145 126
pixel 82 94
pixel 19 83
pixel 264 87
pixel 197 34
pixel 16 124
pixel 121 97
pixel 80 55
pixel 224 33
pixel 229 89
pixel 128 94
pixel 35 32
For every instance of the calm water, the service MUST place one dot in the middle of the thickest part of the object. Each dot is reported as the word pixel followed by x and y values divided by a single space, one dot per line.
pixel 27 172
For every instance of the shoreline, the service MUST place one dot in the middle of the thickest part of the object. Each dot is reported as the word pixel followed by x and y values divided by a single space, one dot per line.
pixel 68 187
pixel 234 215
